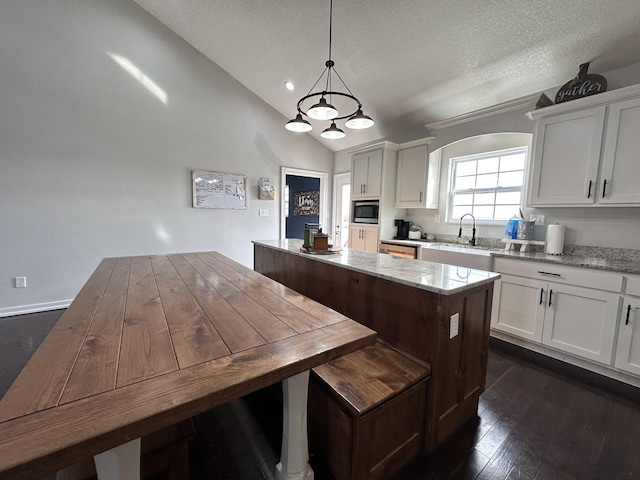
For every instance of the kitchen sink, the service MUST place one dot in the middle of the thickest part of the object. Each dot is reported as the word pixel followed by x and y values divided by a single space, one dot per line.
pixel 461 256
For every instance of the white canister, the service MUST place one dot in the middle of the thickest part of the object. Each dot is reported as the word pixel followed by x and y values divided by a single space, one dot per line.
pixel 554 242
pixel 415 235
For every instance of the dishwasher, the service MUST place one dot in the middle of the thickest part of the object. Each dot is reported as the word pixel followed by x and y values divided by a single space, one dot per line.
pixel 396 250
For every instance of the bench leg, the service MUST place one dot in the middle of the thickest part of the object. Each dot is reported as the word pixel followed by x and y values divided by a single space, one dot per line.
pixel 119 463
pixel 294 460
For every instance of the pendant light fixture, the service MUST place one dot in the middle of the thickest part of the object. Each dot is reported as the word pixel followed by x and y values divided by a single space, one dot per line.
pixel 320 103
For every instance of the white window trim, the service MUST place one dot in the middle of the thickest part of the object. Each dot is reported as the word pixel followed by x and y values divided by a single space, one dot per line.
pixel 505 151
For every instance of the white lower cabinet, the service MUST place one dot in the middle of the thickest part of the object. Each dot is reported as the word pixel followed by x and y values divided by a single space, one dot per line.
pixel 628 349
pixel 567 317
pixel 581 321
pixel 518 307
pixel 363 238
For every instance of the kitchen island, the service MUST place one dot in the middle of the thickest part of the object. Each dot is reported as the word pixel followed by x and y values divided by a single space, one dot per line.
pixel 439 314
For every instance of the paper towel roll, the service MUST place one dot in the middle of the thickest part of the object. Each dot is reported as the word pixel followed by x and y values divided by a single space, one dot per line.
pixel 554 243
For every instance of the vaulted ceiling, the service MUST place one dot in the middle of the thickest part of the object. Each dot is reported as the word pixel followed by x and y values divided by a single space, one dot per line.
pixel 410 62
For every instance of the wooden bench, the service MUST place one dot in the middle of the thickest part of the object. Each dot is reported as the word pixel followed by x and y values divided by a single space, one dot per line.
pixel 367 411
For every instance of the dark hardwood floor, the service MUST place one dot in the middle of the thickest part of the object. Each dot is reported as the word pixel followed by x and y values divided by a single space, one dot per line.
pixel 536 420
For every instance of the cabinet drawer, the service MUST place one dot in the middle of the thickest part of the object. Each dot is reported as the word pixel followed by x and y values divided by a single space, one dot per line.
pixel 582 277
pixel 633 286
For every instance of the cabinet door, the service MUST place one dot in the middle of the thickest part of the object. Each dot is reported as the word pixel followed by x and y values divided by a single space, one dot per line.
pixel 518 307
pixel 363 238
pixel 581 321
pixel 566 154
pixel 373 185
pixel 411 182
pixel 366 176
pixel 628 349
pixel 370 239
pixel 356 238
pixel 620 162
pixel 359 167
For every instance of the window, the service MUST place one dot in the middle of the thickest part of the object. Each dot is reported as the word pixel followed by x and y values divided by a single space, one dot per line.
pixel 489 185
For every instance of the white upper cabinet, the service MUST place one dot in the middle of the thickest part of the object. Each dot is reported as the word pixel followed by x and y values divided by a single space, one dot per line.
pixel 366 176
pixel 621 157
pixel 417 176
pixel 566 153
pixel 585 152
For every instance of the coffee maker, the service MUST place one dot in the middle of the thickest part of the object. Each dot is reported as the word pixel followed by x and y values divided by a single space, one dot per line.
pixel 402 229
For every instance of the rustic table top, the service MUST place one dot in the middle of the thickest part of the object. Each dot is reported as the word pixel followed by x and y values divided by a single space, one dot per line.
pixel 152 340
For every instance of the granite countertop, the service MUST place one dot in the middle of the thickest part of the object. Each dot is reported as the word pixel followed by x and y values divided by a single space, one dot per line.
pixel 612 264
pixel 601 258
pixel 433 277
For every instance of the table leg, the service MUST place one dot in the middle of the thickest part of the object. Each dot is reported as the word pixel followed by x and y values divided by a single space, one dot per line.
pixel 119 463
pixel 294 460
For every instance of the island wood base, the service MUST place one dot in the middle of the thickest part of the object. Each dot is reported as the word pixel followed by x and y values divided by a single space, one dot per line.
pixel 413 320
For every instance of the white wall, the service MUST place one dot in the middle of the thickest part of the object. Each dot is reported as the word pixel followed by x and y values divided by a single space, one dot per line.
pixel 93 165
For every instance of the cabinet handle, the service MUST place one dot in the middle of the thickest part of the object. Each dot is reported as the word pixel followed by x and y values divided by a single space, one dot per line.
pixel 604 188
pixel 589 193
pixel 628 313
pixel 361 188
pixel 550 294
pixel 420 196
pixel 541 293
pixel 365 188
pixel 549 273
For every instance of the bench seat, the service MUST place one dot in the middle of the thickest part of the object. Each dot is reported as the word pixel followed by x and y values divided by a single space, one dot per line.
pixel 367 411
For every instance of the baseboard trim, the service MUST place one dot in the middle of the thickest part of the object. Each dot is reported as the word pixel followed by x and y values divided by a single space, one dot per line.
pixel 578 373
pixel 34 308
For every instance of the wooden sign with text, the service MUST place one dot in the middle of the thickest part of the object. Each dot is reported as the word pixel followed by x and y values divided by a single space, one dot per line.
pixel 583 85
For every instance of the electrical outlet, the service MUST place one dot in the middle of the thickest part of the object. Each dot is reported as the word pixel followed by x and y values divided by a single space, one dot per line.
pixel 263 212
pixel 436 218
pixel 453 325
pixel 539 219
pixel 21 282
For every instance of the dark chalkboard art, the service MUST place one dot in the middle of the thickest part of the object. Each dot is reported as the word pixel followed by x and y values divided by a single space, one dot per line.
pixel 583 85
pixel 306 203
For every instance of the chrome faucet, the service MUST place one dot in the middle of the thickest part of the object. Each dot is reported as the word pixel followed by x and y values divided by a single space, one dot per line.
pixel 472 242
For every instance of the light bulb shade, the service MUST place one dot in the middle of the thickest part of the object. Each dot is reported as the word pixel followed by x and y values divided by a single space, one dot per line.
pixel 359 121
pixel 322 111
pixel 333 132
pixel 298 124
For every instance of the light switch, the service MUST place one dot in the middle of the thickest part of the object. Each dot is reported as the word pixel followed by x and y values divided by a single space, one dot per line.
pixel 453 325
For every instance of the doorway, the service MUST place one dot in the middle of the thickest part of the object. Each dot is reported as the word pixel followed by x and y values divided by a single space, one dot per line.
pixel 291 225
pixel 341 208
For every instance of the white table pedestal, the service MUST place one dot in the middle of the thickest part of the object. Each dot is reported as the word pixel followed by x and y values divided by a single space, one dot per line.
pixel 123 462
pixel 119 463
pixel 294 459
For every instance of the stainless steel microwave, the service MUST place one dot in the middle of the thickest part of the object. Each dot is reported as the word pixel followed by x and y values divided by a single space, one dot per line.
pixel 366 211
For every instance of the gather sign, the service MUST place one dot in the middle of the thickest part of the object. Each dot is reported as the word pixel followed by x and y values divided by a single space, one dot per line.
pixel 583 85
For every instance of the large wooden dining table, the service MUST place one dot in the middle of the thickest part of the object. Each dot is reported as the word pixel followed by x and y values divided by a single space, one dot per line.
pixel 152 340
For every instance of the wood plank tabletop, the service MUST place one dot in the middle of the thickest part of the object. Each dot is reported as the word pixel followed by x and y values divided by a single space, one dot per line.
pixel 152 340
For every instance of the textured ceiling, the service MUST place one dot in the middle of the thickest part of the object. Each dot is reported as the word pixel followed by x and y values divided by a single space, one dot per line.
pixel 410 62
